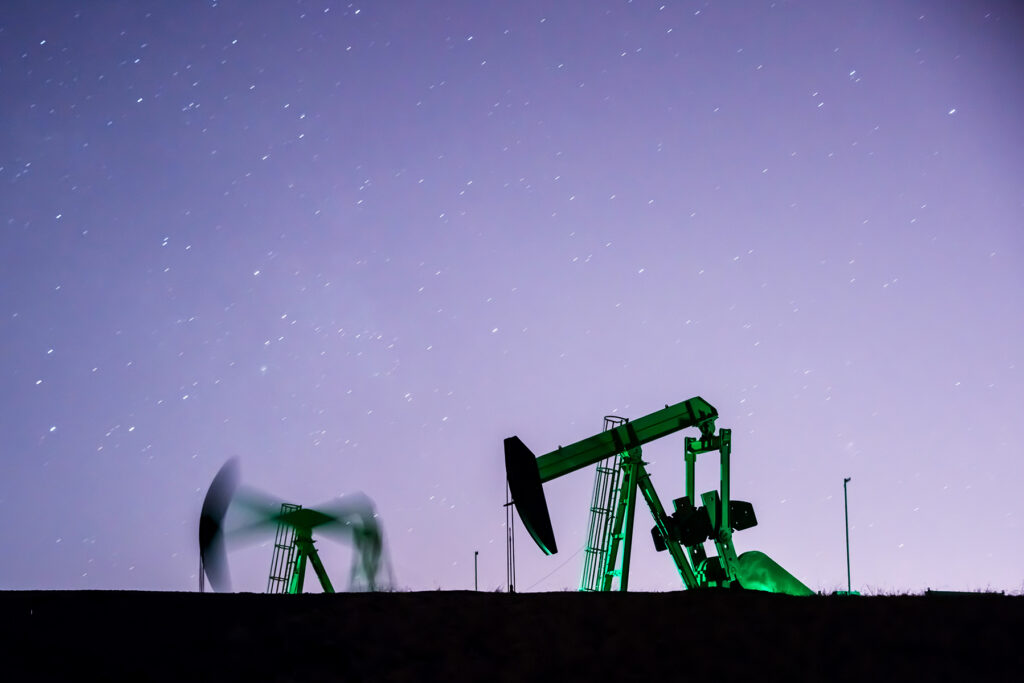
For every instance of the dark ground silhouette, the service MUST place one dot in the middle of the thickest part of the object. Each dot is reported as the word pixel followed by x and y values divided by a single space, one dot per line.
pixel 693 636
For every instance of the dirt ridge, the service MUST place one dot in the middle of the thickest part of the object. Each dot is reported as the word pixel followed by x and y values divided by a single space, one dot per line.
pixel 460 635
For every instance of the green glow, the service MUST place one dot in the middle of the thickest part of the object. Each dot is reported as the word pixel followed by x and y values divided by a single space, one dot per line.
pixel 759 572
pixel 609 533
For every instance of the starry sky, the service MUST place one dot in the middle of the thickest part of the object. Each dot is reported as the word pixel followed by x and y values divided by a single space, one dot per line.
pixel 358 245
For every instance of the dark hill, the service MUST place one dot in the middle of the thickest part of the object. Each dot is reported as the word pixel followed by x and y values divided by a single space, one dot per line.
pixel 704 636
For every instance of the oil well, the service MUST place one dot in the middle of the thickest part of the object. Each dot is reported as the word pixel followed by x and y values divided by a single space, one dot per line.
pixel 351 519
pixel 621 479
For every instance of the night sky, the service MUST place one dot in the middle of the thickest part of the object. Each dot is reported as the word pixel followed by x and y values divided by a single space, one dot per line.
pixel 358 245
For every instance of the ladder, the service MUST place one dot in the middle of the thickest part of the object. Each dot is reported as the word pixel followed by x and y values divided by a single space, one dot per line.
pixel 282 564
pixel 603 503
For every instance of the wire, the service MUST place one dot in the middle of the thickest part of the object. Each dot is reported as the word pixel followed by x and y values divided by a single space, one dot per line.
pixel 567 561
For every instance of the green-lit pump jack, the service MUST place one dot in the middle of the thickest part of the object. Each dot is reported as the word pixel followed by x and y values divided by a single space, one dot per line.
pixel 688 526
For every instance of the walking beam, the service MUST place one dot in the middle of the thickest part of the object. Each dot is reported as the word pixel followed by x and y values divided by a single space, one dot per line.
pixel 527 474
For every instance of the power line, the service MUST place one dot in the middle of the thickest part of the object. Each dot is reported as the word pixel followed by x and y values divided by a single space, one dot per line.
pixel 567 561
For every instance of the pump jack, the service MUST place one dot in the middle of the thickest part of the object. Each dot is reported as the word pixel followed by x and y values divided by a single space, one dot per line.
pixel 687 527
pixel 351 518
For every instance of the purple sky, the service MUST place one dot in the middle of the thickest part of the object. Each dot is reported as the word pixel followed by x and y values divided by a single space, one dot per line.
pixel 359 245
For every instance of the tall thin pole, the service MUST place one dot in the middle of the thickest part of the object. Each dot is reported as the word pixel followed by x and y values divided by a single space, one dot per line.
pixel 510 542
pixel 476 584
pixel 846 514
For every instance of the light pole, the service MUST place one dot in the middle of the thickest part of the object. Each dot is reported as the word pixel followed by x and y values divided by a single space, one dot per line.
pixel 476 584
pixel 846 514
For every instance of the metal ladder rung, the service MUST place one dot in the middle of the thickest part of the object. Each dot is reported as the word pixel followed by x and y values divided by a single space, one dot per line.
pixel 603 505
pixel 282 564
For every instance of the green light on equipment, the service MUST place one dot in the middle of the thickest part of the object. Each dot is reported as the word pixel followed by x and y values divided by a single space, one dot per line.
pixel 621 477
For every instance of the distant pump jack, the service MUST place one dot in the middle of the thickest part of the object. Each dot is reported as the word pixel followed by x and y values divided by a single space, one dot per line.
pixel 687 527
pixel 350 518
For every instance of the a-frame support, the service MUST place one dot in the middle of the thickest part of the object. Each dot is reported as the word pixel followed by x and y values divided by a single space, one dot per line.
pixel 306 550
pixel 636 480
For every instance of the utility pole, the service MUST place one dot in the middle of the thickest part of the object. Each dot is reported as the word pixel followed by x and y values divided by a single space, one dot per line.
pixel 476 584
pixel 846 514
pixel 510 541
